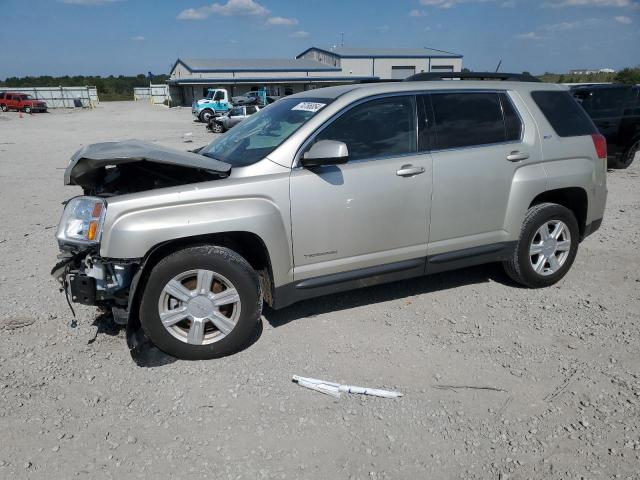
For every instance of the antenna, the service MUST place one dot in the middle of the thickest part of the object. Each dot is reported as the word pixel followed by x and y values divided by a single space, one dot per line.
pixel 498 67
pixel 342 39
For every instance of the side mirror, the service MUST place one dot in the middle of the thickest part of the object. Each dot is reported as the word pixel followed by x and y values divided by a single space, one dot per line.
pixel 325 152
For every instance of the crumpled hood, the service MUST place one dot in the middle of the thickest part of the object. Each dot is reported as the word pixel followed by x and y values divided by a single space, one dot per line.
pixel 99 155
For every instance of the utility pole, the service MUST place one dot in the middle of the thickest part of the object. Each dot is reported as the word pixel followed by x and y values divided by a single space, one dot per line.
pixel 342 39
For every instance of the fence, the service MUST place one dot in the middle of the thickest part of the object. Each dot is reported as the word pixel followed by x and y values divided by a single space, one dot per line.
pixel 155 94
pixel 62 97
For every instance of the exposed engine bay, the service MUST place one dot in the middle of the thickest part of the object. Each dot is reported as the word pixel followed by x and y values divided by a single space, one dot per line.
pixel 117 168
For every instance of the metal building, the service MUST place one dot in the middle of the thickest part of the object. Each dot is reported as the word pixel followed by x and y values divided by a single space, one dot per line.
pixel 313 68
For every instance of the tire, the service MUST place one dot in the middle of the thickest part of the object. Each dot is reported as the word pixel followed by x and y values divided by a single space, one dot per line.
pixel 27 109
pixel 217 127
pixel 627 157
pixel 205 115
pixel 521 267
pixel 3 108
pixel 228 272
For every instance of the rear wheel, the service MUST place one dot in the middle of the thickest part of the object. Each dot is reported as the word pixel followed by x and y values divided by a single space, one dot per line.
pixel 3 108
pixel 201 302
pixel 205 115
pixel 628 157
pixel 547 246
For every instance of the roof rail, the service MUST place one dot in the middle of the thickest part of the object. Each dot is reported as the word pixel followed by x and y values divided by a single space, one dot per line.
pixel 431 76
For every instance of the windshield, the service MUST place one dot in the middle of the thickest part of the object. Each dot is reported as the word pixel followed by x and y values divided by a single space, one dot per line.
pixel 263 132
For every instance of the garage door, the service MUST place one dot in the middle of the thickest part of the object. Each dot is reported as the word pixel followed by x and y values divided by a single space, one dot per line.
pixel 400 73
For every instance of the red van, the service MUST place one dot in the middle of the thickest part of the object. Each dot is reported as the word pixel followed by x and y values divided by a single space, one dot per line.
pixel 21 102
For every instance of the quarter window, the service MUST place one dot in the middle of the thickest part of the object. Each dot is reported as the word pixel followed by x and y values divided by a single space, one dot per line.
pixel 564 113
pixel 467 119
pixel 377 128
pixel 512 122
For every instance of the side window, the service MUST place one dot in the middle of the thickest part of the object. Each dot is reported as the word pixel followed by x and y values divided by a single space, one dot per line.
pixel 564 113
pixel 467 119
pixel 236 112
pixel 512 122
pixel 251 110
pixel 377 128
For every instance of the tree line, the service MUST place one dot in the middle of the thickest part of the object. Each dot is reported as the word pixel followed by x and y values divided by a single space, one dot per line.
pixel 109 88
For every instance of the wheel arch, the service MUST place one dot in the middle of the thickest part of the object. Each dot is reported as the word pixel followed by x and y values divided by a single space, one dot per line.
pixel 573 198
pixel 247 244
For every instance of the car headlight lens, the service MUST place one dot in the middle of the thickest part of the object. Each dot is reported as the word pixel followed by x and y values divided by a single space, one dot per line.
pixel 82 221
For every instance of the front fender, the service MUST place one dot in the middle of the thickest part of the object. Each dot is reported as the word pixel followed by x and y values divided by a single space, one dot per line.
pixel 133 227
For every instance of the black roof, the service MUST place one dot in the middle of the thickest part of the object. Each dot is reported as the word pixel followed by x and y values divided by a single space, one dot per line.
pixel 600 86
pixel 512 77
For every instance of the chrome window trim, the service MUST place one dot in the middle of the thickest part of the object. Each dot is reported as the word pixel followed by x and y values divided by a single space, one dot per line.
pixel 411 93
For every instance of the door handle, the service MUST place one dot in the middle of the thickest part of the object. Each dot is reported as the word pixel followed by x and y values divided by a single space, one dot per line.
pixel 409 171
pixel 517 156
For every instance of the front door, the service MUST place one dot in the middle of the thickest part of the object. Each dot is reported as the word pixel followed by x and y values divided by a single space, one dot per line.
pixel 371 211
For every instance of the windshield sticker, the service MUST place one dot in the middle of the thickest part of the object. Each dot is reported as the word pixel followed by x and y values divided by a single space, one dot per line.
pixel 309 106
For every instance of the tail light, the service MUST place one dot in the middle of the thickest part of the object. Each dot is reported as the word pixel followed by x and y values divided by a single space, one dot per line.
pixel 601 145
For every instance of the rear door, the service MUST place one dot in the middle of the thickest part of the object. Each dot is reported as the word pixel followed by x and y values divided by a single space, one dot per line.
pixel 606 106
pixel 478 146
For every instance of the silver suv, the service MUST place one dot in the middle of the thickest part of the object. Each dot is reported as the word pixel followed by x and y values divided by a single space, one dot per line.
pixel 330 190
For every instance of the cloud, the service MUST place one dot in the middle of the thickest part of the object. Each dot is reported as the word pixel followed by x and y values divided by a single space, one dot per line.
pixel 417 13
pixel 299 34
pixel 563 26
pixel 529 36
pixel 138 38
pixel 449 3
pixel 624 20
pixel 89 2
pixel 588 3
pixel 282 21
pixel 231 8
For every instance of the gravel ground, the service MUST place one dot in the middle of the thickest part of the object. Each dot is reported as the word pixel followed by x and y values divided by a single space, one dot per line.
pixel 74 403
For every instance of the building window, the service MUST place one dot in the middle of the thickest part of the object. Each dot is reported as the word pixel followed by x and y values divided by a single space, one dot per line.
pixel 288 90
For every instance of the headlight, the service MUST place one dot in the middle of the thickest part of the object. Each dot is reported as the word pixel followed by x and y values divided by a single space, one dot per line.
pixel 82 221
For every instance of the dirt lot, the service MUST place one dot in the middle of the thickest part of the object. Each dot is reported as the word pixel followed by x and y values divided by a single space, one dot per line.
pixel 74 403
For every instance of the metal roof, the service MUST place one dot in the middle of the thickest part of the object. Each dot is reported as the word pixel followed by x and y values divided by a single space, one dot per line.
pixel 242 80
pixel 349 52
pixel 254 65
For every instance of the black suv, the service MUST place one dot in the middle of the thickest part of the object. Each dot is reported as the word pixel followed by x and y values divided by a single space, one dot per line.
pixel 615 109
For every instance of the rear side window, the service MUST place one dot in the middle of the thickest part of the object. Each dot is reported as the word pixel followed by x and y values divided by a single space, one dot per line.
pixel 466 119
pixel 565 115
pixel 378 128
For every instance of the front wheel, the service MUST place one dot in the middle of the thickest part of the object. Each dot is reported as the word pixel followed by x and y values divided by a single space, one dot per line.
pixel 201 302
pixel 27 109
pixel 547 246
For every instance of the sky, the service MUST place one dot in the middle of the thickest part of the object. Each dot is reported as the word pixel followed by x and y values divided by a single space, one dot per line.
pixel 126 37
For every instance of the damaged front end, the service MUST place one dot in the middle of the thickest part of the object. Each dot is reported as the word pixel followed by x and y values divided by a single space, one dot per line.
pixel 106 170
pixel 88 279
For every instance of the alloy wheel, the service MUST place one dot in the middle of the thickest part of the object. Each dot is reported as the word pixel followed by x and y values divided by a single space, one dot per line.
pixel 199 307
pixel 549 248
